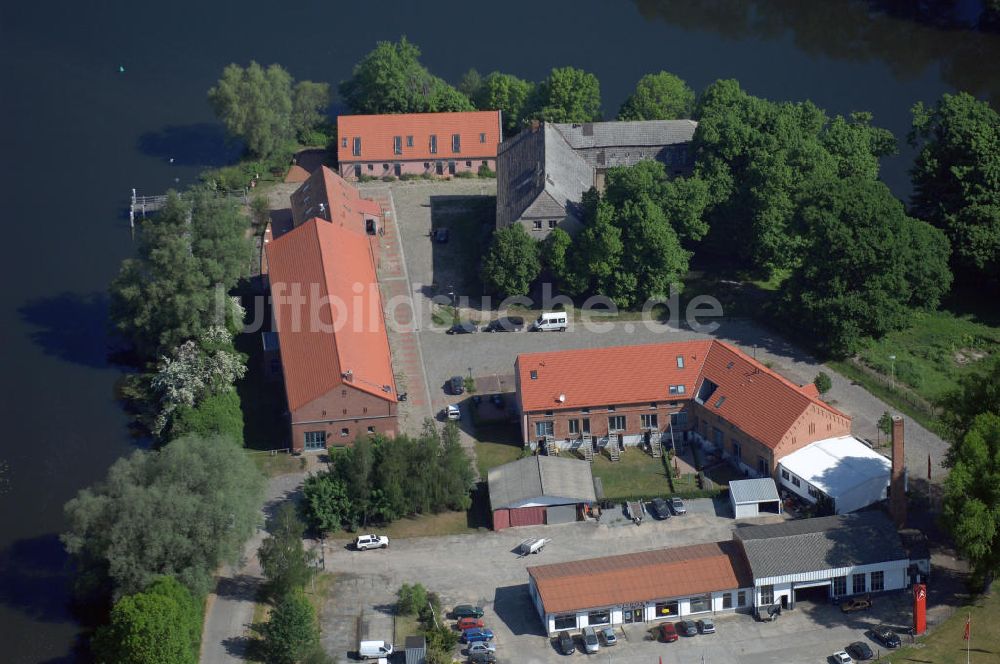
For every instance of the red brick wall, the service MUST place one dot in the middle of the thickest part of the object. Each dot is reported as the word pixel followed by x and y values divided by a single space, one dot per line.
pixel 599 420
pixel 344 407
pixel 415 167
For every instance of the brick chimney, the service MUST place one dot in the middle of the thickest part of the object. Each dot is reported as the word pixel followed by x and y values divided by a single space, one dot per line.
pixel 897 482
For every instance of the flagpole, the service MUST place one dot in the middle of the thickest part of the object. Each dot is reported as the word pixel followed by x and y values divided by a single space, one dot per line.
pixel 968 642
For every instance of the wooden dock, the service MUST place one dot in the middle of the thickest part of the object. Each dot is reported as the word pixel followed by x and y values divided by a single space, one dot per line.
pixel 143 204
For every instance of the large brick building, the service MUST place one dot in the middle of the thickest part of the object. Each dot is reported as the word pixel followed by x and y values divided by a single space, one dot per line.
pixel 438 144
pixel 328 313
pixel 658 393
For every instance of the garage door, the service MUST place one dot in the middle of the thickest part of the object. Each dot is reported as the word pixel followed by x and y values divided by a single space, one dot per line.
pixel 527 516
pixel 501 519
pixel 560 514
pixel 744 510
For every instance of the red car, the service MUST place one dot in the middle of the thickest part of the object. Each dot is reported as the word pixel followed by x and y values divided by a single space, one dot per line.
pixel 469 623
pixel 668 632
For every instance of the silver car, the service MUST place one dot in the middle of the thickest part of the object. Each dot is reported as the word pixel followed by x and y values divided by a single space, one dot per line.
pixel 590 642
pixel 608 634
pixel 677 505
pixel 482 646
pixel 706 626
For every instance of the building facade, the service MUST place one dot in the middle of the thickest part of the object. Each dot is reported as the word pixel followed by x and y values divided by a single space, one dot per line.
pixel 424 144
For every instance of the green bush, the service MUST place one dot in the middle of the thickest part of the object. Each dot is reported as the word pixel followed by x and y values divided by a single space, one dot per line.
pixel 823 382
pixel 366 178
pixel 465 174
pixel 407 177
pixel 426 176
pixel 486 172
pixel 388 178
pixel 411 599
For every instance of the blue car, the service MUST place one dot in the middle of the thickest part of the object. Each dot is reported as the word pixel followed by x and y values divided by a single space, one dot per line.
pixel 477 634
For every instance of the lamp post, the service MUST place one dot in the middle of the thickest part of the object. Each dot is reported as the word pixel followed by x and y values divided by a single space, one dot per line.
pixel 892 379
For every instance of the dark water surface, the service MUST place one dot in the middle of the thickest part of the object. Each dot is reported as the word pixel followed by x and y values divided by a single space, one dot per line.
pixel 76 134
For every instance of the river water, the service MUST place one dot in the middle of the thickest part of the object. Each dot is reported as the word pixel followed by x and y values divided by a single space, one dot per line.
pixel 99 97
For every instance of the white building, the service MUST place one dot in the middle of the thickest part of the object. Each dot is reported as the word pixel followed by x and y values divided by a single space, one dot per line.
pixel 845 469
pixel 749 498
pixel 825 558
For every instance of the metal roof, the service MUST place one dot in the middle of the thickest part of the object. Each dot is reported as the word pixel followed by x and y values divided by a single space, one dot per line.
pixel 811 545
pixel 753 491
pixel 540 476
pixel 836 465
pixel 627 133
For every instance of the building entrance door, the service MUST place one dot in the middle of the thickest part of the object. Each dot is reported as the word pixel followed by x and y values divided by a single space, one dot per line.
pixel 630 616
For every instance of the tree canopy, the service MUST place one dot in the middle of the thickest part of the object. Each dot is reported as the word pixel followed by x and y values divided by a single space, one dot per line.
pixel 567 95
pixel 180 510
pixel 265 108
pixel 285 562
pixel 390 79
pixel 977 393
pixel 508 94
pixel 512 262
pixel 660 96
pixel 956 179
pixel 291 636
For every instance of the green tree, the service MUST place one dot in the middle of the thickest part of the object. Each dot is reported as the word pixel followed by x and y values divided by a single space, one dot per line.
pixel 863 261
pixel 255 104
pixel 286 565
pixel 180 511
pixel 682 200
pixel 457 475
pixel 390 79
pixel 512 262
pixel 508 94
pixel 599 251
pixel 555 252
pixel 567 95
pixel 977 393
pixel 291 636
pixel 309 104
pixel 411 599
pixel 972 497
pixel 660 96
pixel 656 259
pixel 470 84
pixel 216 414
pixel 325 505
pixel 823 382
pixel 884 425
pixel 956 179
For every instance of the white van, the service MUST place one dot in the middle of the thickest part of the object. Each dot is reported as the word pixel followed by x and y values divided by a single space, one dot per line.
pixel 374 649
pixel 550 321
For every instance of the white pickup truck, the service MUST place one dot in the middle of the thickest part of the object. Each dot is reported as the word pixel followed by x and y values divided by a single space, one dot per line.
pixel 365 542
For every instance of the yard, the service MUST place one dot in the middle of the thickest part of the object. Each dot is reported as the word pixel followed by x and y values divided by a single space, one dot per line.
pixel 634 474
pixel 470 220
pixel 429 525
pixel 498 444
pixel 946 644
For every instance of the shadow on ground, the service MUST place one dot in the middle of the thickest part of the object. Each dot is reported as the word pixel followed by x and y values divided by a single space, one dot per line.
pixel 72 327
pixel 202 144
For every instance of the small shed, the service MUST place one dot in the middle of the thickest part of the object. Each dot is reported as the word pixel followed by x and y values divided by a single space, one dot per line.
pixel 416 650
pixel 751 497
pixel 540 490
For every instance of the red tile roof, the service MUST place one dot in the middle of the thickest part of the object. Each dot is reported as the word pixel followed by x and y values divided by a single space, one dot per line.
pixel 641 577
pixel 341 203
pixel 320 260
pixel 748 395
pixel 479 132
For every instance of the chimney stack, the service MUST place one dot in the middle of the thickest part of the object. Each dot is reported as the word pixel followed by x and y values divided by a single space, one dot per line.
pixel 897 482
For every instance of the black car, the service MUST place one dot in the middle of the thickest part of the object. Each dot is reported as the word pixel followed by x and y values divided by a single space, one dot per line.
pixel 456 385
pixel 886 636
pixel 483 657
pixel 659 508
pixel 462 328
pixel 687 628
pixel 566 643
pixel 441 235
pixel 859 650
pixel 506 324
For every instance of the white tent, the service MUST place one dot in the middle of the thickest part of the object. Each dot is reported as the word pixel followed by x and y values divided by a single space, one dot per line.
pixel 843 468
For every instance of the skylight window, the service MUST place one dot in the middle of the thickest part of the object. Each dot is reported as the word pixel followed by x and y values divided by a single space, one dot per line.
pixel 534 375
pixel 722 400
pixel 680 361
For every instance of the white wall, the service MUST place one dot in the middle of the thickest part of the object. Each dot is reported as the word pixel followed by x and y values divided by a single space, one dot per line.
pixel 862 495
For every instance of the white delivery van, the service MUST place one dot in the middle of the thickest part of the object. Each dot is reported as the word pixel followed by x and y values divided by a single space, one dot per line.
pixel 550 321
pixel 374 649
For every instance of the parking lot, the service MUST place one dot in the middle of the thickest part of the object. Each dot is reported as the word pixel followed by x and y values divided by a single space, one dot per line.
pixel 485 569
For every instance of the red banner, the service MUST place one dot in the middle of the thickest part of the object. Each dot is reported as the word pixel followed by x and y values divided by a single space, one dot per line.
pixel 919 608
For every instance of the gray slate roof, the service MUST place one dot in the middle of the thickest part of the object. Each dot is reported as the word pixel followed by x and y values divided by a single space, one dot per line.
pixel 540 476
pixel 753 491
pixel 626 134
pixel 809 545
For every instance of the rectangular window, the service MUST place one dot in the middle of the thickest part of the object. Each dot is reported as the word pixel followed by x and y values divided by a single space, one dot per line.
pixel 371 430
pixel 397 144
pixel 482 139
pixel 357 146
pixel 345 432
pixel 574 426
pixel 878 581
pixel 784 474
pixel 434 144
pixel 357 170
pixel 680 361
pixel 565 621
pixel 766 595
pixel 409 141
pixel 468 164
pixel 727 600
pixel 343 143
pixel 741 598
pixel 795 481
pixel 586 425
pixel 456 143
pixel 839 586
pixel 538 224
pixel 679 419
pixel 553 223
pixel 717 436
pixel 701 603
pixel 858 583
pixel 762 466
pixel 649 420
pixel 599 617
pixel 667 609
pixel 315 440
pixel 584 410
pixel 813 491
pixel 611 409
pixel 549 413
pixel 543 429
pixel 616 423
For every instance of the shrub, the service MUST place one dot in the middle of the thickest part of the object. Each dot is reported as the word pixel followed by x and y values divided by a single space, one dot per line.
pixel 406 177
pixel 388 178
pixel 366 178
pixel 485 172
pixel 426 176
pixel 411 599
pixel 465 174
pixel 823 382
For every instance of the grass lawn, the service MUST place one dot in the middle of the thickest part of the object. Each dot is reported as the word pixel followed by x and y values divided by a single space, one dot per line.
pixel 471 220
pixel 406 626
pixel 429 525
pixel 635 473
pixel 278 464
pixel 945 644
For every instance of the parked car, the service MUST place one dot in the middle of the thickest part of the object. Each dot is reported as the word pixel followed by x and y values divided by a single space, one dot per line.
pixel 886 636
pixel 608 635
pixel 841 657
pixel 374 650
pixel 482 646
pixel 860 651
pixel 677 505
pixel 505 324
pixel 566 646
pixel 441 235
pixel 456 385
pixel 687 628
pixel 668 632
pixel 549 321
pixel 477 634
pixel 462 328
pixel 365 542
pixel 482 657
pixel 706 626
pixel 452 412
pixel 856 604
pixel 659 508
pixel 469 622
pixel 467 611
pixel 590 642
